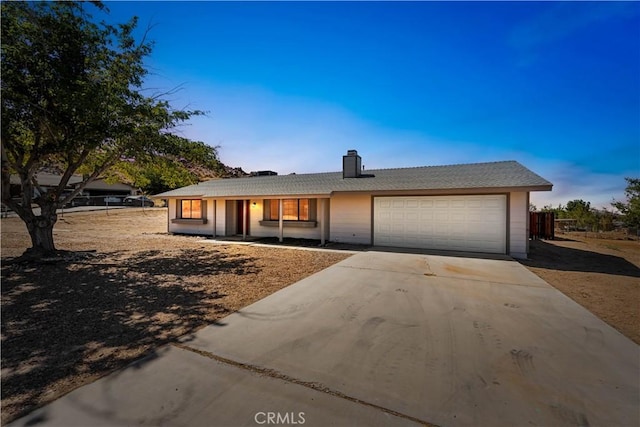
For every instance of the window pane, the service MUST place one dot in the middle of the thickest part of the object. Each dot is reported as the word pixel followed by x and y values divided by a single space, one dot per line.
pixel 274 205
pixel 304 210
pixel 196 209
pixel 186 208
pixel 290 210
pixel 191 209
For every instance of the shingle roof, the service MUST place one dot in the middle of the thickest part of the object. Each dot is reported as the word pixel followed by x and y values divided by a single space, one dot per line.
pixel 495 175
pixel 46 179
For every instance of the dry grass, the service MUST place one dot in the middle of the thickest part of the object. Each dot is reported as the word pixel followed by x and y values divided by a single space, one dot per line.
pixel 68 323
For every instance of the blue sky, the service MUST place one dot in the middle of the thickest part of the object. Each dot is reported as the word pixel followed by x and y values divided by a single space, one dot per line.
pixel 290 87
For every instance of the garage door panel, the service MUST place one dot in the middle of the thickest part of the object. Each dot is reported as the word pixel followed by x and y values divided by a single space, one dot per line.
pixel 494 202
pixel 467 223
pixel 385 203
pixel 412 216
pixel 458 217
pixel 475 204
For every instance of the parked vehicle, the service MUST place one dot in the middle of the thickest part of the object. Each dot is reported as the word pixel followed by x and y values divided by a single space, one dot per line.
pixel 138 201
pixel 112 200
pixel 82 199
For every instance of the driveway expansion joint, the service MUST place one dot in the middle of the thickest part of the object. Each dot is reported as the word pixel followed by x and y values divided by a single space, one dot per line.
pixel 308 384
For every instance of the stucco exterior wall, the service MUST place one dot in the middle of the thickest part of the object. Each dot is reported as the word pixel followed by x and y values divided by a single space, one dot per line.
pixel 198 228
pixel 219 217
pixel 347 219
pixel 518 224
pixel 351 218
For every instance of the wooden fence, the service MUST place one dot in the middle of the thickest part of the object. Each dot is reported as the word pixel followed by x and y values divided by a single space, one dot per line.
pixel 541 225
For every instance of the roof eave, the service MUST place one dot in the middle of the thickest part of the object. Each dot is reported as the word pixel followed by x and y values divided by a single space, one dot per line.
pixel 177 196
pixel 452 190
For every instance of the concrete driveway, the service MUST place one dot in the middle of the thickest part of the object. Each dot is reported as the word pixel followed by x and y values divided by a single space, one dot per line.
pixel 383 339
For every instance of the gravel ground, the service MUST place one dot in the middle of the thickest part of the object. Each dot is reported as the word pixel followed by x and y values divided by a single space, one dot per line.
pixel 65 324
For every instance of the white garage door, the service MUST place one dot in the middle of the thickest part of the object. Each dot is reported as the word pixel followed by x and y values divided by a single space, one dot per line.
pixel 465 223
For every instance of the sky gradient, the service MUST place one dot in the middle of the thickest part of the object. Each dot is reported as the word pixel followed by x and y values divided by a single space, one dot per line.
pixel 290 87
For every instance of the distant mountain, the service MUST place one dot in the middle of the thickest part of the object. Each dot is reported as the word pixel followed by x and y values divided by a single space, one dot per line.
pixel 204 173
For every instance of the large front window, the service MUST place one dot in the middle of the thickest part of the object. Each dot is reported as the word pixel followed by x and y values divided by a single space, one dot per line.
pixel 191 209
pixel 292 210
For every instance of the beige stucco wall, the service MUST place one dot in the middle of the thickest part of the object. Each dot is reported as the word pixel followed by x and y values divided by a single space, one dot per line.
pixel 220 217
pixel 347 219
pixel 191 228
pixel 518 224
pixel 351 218
pixel 225 219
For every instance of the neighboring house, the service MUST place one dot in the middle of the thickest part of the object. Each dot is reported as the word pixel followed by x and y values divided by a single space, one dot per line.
pixel 46 181
pixel 100 187
pixel 481 207
pixel 95 189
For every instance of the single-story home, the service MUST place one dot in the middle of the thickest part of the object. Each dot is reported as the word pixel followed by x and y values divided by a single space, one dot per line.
pixel 98 187
pixel 480 207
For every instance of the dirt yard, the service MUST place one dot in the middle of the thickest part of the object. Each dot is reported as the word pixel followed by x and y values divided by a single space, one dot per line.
pixel 601 275
pixel 67 324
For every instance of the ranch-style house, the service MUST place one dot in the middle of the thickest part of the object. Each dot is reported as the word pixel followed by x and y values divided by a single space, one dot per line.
pixel 479 207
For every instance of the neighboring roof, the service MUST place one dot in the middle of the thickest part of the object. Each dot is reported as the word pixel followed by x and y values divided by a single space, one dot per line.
pixel 46 179
pixel 101 184
pixel 495 175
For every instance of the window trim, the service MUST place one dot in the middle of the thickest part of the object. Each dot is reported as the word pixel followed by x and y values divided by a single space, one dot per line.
pixel 289 223
pixel 268 216
pixel 179 219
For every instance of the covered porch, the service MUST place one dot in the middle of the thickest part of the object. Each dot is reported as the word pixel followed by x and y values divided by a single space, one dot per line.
pixel 279 217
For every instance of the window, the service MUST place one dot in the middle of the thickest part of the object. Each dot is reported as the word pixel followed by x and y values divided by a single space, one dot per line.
pixel 272 214
pixel 292 210
pixel 191 209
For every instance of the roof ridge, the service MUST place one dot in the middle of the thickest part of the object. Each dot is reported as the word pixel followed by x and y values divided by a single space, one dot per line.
pixel 446 166
pixel 398 168
pixel 366 170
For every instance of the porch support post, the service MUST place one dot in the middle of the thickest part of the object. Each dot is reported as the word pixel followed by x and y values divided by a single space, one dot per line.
pixel 245 204
pixel 323 207
pixel 280 222
pixel 215 206
pixel 168 213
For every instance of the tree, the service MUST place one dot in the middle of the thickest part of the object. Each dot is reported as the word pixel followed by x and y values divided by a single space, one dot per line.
pixel 72 98
pixel 605 219
pixel 183 163
pixel 581 211
pixel 631 208
pixel 578 206
pixel 559 211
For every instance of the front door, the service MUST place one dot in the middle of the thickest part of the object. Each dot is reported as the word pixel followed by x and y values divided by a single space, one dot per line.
pixel 242 217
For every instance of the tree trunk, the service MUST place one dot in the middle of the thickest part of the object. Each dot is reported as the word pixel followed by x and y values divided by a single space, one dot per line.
pixel 41 232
